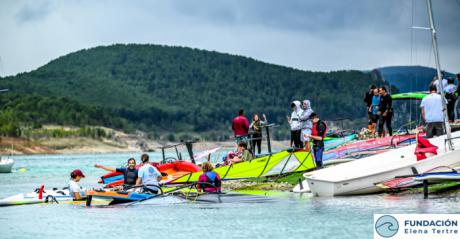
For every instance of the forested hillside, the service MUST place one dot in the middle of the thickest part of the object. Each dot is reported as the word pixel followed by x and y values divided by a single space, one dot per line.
pixel 163 90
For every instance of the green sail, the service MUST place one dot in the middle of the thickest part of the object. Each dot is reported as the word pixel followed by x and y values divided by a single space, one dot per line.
pixel 269 165
pixel 410 96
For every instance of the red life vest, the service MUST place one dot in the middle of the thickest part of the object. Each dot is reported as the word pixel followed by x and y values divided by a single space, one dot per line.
pixel 314 130
pixel 424 146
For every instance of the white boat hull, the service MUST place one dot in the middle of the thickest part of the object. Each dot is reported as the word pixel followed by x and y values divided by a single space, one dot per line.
pixel 6 165
pixel 33 197
pixel 361 176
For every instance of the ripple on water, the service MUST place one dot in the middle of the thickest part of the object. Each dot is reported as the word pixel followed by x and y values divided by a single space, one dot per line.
pixel 342 217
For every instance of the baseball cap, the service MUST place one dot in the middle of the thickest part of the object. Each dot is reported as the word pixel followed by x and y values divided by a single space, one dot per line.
pixel 78 172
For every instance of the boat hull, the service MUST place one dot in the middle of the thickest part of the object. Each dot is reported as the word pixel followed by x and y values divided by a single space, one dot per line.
pixel 362 176
pixel 61 195
pixel 6 165
pixel 367 185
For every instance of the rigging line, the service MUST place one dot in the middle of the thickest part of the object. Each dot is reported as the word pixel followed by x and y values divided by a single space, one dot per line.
pixel 412 33
pixel 412 39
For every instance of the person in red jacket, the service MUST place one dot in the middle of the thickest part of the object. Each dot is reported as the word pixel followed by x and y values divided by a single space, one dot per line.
pixel 240 127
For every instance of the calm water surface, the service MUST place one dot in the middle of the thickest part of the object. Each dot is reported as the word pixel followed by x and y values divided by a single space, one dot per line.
pixel 295 217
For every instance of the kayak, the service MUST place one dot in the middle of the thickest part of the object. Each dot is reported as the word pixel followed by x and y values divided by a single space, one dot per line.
pixel 286 161
pixel 172 170
pixel 40 195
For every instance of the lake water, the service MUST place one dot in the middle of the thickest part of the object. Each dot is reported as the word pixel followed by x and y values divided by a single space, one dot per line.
pixel 296 217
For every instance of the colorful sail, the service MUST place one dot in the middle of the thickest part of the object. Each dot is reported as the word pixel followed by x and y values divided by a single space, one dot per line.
pixel 269 165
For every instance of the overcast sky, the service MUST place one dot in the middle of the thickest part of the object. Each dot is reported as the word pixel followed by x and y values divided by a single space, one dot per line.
pixel 318 35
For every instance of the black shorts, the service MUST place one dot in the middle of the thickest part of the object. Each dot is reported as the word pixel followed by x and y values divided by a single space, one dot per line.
pixel 375 118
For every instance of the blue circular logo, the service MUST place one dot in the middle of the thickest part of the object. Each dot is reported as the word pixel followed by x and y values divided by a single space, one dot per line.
pixel 151 170
pixel 386 226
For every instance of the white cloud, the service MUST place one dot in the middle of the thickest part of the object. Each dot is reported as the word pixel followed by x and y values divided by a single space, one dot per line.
pixel 310 35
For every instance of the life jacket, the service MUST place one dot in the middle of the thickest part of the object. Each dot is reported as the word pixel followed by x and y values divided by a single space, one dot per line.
pixel 424 146
pixel 315 129
pixel 130 176
pixel 211 179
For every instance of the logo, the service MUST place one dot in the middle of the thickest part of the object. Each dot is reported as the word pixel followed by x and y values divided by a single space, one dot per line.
pixel 386 226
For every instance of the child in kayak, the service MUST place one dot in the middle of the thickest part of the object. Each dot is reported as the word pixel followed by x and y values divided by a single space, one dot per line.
pixel 209 181
pixel 129 173
pixel 76 191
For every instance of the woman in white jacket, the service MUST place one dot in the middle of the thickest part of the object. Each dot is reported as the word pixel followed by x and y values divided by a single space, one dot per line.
pixel 294 122
pixel 306 124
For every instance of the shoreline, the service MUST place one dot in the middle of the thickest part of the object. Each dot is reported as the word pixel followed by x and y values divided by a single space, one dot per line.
pixel 80 145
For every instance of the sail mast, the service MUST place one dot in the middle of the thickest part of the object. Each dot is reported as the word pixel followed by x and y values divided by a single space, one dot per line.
pixel 438 69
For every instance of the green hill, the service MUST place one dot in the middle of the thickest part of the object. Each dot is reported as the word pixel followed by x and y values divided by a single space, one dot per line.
pixel 164 90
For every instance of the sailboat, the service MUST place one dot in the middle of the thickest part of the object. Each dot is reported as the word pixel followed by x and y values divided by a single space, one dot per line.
pixel 6 164
pixel 362 176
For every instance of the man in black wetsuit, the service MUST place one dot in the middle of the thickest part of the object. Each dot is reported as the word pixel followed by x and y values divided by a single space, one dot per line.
pixel 129 173
pixel 385 112
pixel 368 100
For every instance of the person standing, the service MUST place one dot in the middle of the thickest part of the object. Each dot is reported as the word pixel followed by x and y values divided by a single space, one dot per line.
pixel 368 101
pixel 306 124
pixel 318 133
pixel 256 129
pixel 435 82
pixel 432 113
pixel 374 110
pixel 385 112
pixel 457 93
pixel 75 190
pixel 148 176
pixel 294 123
pixel 240 127
pixel 451 97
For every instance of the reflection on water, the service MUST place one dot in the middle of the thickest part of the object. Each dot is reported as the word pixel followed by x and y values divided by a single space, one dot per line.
pixel 291 216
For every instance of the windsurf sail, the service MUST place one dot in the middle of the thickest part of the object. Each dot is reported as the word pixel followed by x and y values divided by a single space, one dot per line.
pixel 367 145
pixel 269 165
pixel 410 95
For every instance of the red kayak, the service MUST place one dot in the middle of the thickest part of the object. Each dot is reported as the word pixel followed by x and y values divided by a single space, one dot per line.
pixel 171 170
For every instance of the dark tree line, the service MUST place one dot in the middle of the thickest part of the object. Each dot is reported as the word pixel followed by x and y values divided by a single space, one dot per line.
pixel 174 89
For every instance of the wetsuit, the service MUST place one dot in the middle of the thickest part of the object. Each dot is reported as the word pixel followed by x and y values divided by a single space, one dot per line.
pixel 385 106
pixel 368 100
pixel 209 182
pixel 129 175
